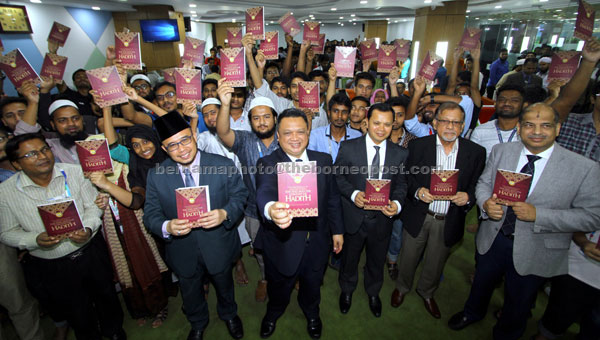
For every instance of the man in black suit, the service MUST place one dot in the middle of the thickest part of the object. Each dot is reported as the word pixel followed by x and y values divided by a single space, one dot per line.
pixel 384 160
pixel 296 248
pixel 436 225
pixel 209 249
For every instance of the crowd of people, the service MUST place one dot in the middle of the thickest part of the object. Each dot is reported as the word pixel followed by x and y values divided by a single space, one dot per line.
pixel 392 127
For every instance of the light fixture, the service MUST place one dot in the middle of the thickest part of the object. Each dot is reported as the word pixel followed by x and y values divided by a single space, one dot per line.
pixel 342 24
pixel 554 39
pixel 353 15
pixel 341 18
pixel 291 13
pixel 525 44
pixel 468 11
pixel 181 49
pixel 194 15
pixel 509 45
pixel 36 1
pixel 543 0
pixel 561 42
pixel 354 24
pixel 415 58
pixel 271 22
pixel 498 6
pixel 193 12
pixel 364 2
pixel 395 21
pixel 333 9
pixel 233 20
pixel 427 1
pixel 192 5
pixel 476 18
pixel 558 10
pixel 388 19
pixel 96 8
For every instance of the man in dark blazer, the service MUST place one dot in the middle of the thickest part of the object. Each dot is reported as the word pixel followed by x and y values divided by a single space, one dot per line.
pixel 527 76
pixel 369 227
pixel 298 248
pixel 528 242
pixel 436 225
pixel 209 249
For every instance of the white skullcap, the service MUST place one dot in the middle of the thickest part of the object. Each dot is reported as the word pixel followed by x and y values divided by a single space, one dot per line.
pixel 210 101
pixel 138 77
pixel 520 62
pixel 400 81
pixel 546 60
pixel 57 104
pixel 261 101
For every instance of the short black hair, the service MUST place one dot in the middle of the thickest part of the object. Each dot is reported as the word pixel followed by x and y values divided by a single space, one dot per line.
pixel 534 94
pixel 503 50
pixel 210 81
pixel 362 99
pixel 464 75
pixel 464 83
pixel 281 79
pixel 11 100
pixel 77 71
pixel 291 113
pixel 383 107
pixel 530 60
pixel 512 87
pixel 12 146
pixel 317 73
pixel 364 75
pixel 271 64
pixel 340 99
pixel 244 90
pixel 301 75
pixel 164 83
pixel 450 106
pixel 398 101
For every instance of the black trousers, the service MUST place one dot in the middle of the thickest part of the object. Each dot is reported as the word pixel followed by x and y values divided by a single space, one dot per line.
pixel 280 287
pixel 192 294
pixel 572 300
pixel 78 288
pixel 519 291
pixel 376 238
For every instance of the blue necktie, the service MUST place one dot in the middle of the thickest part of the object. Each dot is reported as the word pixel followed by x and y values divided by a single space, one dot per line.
pixel 189 180
pixel 508 226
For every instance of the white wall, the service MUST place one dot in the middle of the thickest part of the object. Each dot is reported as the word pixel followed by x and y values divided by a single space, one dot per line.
pixel 401 30
pixel 202 31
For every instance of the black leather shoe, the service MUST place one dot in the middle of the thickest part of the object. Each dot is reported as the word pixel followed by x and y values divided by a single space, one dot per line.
pixel 459 321
pixel 235 328
pixel 345 302
pixel 314 328
pixel 195 335
pixel 121 335
pixel 375 305
pixel 267 327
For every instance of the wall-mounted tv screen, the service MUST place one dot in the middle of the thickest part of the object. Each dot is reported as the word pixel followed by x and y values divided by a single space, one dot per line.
pixel 159 30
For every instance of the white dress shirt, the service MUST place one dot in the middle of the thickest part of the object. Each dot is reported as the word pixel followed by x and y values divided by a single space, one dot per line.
pixel 539 165
pixel 443 161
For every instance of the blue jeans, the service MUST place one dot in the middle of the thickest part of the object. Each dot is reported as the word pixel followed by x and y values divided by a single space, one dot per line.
pixel 395 242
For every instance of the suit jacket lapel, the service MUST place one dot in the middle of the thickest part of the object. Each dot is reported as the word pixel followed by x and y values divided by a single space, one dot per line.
pixel 462 159
pixel 549 174
pixel 430 158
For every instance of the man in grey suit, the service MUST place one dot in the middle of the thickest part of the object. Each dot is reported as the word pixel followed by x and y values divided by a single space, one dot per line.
pixel 527 242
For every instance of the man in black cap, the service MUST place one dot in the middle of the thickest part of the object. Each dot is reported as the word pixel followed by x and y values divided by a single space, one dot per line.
pixel 212 247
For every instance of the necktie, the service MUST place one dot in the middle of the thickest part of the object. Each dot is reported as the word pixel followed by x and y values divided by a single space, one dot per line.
pixel 189 180
pixel 375 163
pixel 508 226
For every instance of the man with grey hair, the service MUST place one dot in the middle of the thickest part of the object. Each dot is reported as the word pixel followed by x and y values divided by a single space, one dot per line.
pixel 431 224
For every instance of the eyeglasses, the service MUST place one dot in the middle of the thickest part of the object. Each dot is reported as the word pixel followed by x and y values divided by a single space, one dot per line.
pixel 169 95
pixel 183 141
pixel 35 154
pixel 141 87
pixel 450 122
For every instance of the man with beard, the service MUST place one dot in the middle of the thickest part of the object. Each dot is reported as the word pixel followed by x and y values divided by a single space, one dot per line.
pixel 142 86
pixel 430 103
pixel 328 138
pixel 509 105
pixel 81 97
pixel 497 70
pixel 280 87
pixel 249 147
pixel 433 226
pixel 543 67
pixel 209 89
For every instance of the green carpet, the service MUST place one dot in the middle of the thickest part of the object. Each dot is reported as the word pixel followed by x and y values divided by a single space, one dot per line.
pixel 410 321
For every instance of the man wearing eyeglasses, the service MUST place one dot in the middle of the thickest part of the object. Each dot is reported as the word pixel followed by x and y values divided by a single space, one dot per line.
pixel 165 94
pixel 432 225
pixel 71 276
pixel 211 248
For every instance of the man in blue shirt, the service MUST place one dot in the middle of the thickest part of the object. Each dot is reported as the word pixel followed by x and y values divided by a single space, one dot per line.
pixel 328 138
pixel 497 70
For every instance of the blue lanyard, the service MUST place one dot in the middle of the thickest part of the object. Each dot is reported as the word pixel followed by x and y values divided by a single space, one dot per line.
pixel 67 193
pixel 512 134
pixel 260 153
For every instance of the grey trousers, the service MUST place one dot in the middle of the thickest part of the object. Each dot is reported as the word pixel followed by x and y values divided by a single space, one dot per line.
pixel 252 226
pixel 14 296
pixel 430 239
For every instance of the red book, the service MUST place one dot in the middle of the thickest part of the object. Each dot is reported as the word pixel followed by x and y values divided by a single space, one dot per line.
pixel 402 49
pixel 233 66
pixel 128 50
pixel 309 95
pixel 470 38
pixel 169 75
pixel 511 186
pixel 368 50
pixel 108 85
pixel 311 32
pixel 270 46
pixel 17 68
pixel 255 22
pixel 584 25
pixel 377 194
pixel 192 202
pixel 320 47
pixel 563 65
pixel 188 83
pixel 193 50
pixel 94 155
pixel 54 66
pixel 59 33
pixel 444 184
pixel 289 24
pixel 430 66
pixel 60 218
pixel 297 186
pixel 345 58
pixel 234 36
pixel 386 58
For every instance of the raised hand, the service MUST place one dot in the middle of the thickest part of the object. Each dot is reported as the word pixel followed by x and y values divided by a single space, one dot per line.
pixel 476 53
pixel 289 39
pixel 248 42
pixel 458 52
pixel 99 179
pixel 419 85
pixel 189 109
pixel 260 59
pixel 280 215
pixel 111 53
pixel 332 73
pixel 591 50
pixel 131 93
pixel 224 92
pixel 394 76
pixel 30 91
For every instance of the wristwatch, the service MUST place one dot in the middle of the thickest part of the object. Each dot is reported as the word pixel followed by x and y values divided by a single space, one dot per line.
pixel 432 98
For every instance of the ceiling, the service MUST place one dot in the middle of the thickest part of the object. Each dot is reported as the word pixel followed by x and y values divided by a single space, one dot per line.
pixel 334 11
